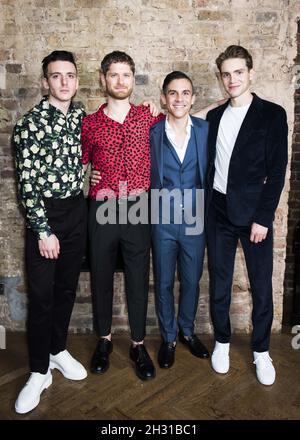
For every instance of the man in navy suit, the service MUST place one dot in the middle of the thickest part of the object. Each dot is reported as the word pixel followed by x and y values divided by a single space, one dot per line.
pixel 247 158
pixel 178 169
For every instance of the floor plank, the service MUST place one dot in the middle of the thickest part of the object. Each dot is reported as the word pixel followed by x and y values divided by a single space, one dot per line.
pixel 188 391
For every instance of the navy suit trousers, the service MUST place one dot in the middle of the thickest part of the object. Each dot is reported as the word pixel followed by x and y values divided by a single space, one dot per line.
pixel 222 237
pixel 171 246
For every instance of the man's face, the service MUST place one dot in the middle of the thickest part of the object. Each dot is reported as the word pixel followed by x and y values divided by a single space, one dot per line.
pixel 179 98
pixel 236 77
pixel 61 81
pixel 118 81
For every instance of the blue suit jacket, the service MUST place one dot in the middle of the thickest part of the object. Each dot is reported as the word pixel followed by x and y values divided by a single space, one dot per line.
pixel 157 158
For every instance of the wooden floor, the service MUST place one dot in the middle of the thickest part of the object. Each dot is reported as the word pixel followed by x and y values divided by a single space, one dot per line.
pixel 188 391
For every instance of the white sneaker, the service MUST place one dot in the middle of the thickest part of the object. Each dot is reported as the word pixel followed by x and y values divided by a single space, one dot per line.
pixel 68 366
pixel 30 394
pixel 265 371
pixel 220 358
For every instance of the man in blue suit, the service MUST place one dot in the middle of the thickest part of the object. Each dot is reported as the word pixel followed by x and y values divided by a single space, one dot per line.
pixel 178 168
pixel 246 169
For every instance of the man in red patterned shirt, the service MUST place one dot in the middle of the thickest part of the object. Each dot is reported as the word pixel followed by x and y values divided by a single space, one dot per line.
pixel 115 139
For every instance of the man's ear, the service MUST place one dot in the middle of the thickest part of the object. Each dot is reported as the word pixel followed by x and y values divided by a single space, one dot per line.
pixel 45 83
pixel 163 98
pixel 252 74
pixel 102 80
pixel 193 99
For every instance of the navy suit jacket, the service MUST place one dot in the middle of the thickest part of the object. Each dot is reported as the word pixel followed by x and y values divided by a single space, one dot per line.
pixel 156 143
pixel 257 165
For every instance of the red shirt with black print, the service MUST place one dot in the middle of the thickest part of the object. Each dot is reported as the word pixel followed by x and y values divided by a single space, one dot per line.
pixel 121 152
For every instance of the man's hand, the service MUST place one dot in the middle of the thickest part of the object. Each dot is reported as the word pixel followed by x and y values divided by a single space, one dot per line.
pixel 49 247
pixel 203 112
pixel 258 233
pixel 85 167
pixel 95 177
pixel 154 110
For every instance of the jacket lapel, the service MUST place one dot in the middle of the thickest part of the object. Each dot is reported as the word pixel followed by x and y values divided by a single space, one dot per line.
pixel 200 148
pixel 157 148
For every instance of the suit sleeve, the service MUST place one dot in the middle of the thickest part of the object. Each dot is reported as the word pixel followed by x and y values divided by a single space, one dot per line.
pixel 276 161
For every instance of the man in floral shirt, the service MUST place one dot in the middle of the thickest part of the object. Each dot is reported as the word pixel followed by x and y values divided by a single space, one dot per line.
pixel 50 180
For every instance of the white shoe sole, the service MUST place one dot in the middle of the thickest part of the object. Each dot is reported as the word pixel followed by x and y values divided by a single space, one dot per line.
pixel 266 383
pixel 54 365
pixel 218 370
pixel 37 401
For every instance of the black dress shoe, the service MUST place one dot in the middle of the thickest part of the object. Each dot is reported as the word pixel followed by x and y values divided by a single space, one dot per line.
pixel 144 367
pixel 100 359
pixel 166 354
pixel 195 345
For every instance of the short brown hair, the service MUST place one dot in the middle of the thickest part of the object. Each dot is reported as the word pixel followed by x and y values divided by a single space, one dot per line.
pixel 235 52
pixel 57 55
pixel 116 57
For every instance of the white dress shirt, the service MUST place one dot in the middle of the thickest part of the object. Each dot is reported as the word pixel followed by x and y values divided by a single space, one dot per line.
pixel 180 149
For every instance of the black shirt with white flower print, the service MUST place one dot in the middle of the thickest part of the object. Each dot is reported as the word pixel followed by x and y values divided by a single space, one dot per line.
pixel 48 159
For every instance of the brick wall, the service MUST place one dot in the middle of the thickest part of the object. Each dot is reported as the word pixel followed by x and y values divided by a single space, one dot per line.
pixel 161 35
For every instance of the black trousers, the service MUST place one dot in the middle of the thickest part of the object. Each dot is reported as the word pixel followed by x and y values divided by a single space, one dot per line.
pixel 52 283
pixel 222 238
pixel 104 241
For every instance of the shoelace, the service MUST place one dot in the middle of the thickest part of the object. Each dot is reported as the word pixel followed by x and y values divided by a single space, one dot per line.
pixel 263 357
pixel 220 354
pixel 142 353
pixel 103 346
pixel 65 355
pixel 191 338
pixel 33 379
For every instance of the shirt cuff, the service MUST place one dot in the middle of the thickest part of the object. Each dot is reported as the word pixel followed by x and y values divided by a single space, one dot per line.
pixel 44 234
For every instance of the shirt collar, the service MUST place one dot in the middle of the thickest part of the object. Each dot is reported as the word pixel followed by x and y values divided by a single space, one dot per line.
pixel 45 105
pixel 132 112
pixel 188 125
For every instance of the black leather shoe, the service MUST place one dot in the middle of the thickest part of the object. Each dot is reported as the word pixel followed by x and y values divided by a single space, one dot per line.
pixel 195 345
pixel 166 354
pixel 100 359
pixel 144 367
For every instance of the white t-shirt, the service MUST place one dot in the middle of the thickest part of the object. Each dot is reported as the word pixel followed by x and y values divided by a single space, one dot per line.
pixel 229 128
